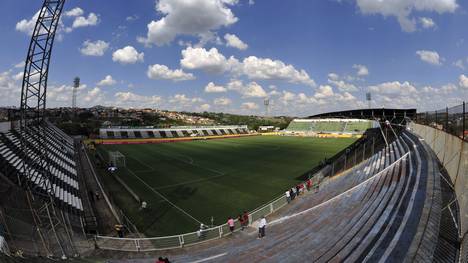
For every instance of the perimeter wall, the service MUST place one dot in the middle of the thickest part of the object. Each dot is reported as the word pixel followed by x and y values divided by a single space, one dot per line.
pixel 452 152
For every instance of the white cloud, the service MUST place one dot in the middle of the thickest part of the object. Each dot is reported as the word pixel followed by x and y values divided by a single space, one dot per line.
pixel 107 81
pixel 233 41
pixel 74 12
pixel 403 9
pixel 463 81
pixel 249 106
pixel 18 76
pixel 212 61
pixel 212 88
pixel 184 100
pixel 157 71
pixel 82 21
pixel 394 87
pixel 362 70
pixel 222 101
pixel 27 26
pixel 128 55
pixel 207 60
pixel 204 107
pixel 427 22
pixel 459 64
pixel 97 48
pixel 431 57
pixel 251 90
pixel 10 90
pixel 132 18
pixel 334 79
pixel 196 18
pixel 324 91
pixel 268 69
pixel 130 99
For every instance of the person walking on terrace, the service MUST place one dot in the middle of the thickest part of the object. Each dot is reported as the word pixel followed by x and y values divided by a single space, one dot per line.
pixel 261 227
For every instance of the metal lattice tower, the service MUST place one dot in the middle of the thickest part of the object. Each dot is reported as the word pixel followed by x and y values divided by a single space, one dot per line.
pixel 76 85
pixel 266 103
pixel 35 164
pixel 369 99
pixel 34 90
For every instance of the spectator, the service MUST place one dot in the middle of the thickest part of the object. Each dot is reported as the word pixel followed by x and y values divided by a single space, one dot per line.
pixel 292 192
pixel 241 221
pixel 297 190
pixel 261 227
pixel 246 219
pixel 230 223
pixel 201 232
pixel 98 196
pixel 119 230
pixel 143 205
pixel 288 197
pixel 309 184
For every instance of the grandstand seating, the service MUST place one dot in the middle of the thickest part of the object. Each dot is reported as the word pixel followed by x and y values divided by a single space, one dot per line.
pixel 123 133
pixel 300 126
pixel 329 126
pixel 357 126
pixel 62 166
pixel 384 209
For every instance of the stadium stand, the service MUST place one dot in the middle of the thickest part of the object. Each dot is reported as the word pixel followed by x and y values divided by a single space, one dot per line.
pixel 350 126
pixel 62 164
pixel 386 208
pixel 174 132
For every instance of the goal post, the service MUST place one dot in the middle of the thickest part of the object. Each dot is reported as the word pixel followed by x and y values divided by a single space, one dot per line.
pixel 117 159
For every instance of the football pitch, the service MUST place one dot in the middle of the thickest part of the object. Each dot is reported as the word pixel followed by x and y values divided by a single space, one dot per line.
pixel 190 182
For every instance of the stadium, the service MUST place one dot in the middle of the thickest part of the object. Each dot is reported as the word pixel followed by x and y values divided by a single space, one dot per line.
pixel 370 184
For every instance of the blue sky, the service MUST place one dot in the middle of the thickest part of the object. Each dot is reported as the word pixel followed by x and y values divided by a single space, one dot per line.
pixel 306 57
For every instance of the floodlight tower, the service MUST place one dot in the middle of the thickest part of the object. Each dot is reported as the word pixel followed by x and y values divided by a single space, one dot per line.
pixel 36 176
pixel 369 99
pixel 76 85
pixel 266 103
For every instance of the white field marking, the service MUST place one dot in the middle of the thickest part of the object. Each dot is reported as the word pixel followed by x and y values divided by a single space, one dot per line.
pixel 280 220
pixel 150 168
pixel 163 197
pixel 210 258
pixel 193 164
pixel 191 181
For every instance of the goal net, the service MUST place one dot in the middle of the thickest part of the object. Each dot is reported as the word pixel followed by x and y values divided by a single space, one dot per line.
pixel 117 159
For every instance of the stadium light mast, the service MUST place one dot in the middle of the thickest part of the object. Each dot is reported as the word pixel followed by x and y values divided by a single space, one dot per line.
pixel 76 85
pixel 369 99
pixel 266 103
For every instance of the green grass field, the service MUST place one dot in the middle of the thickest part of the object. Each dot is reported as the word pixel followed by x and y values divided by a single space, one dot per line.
pixel 213 178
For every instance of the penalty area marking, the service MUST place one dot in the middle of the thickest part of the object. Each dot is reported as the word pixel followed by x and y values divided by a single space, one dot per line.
pixel 191 182
pixel 163 197
pixel 192 163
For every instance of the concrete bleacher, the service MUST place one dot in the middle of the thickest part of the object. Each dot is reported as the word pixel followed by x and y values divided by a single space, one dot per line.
pixel 351 126
pixel 61 164
pixel 176 132
pixel 385 209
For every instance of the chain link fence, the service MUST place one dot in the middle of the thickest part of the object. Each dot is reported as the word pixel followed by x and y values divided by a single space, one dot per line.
pixel 453 120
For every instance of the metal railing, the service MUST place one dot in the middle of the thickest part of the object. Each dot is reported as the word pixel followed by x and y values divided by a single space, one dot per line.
pixel 347 159
pixel 184 240
pixel 453 120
